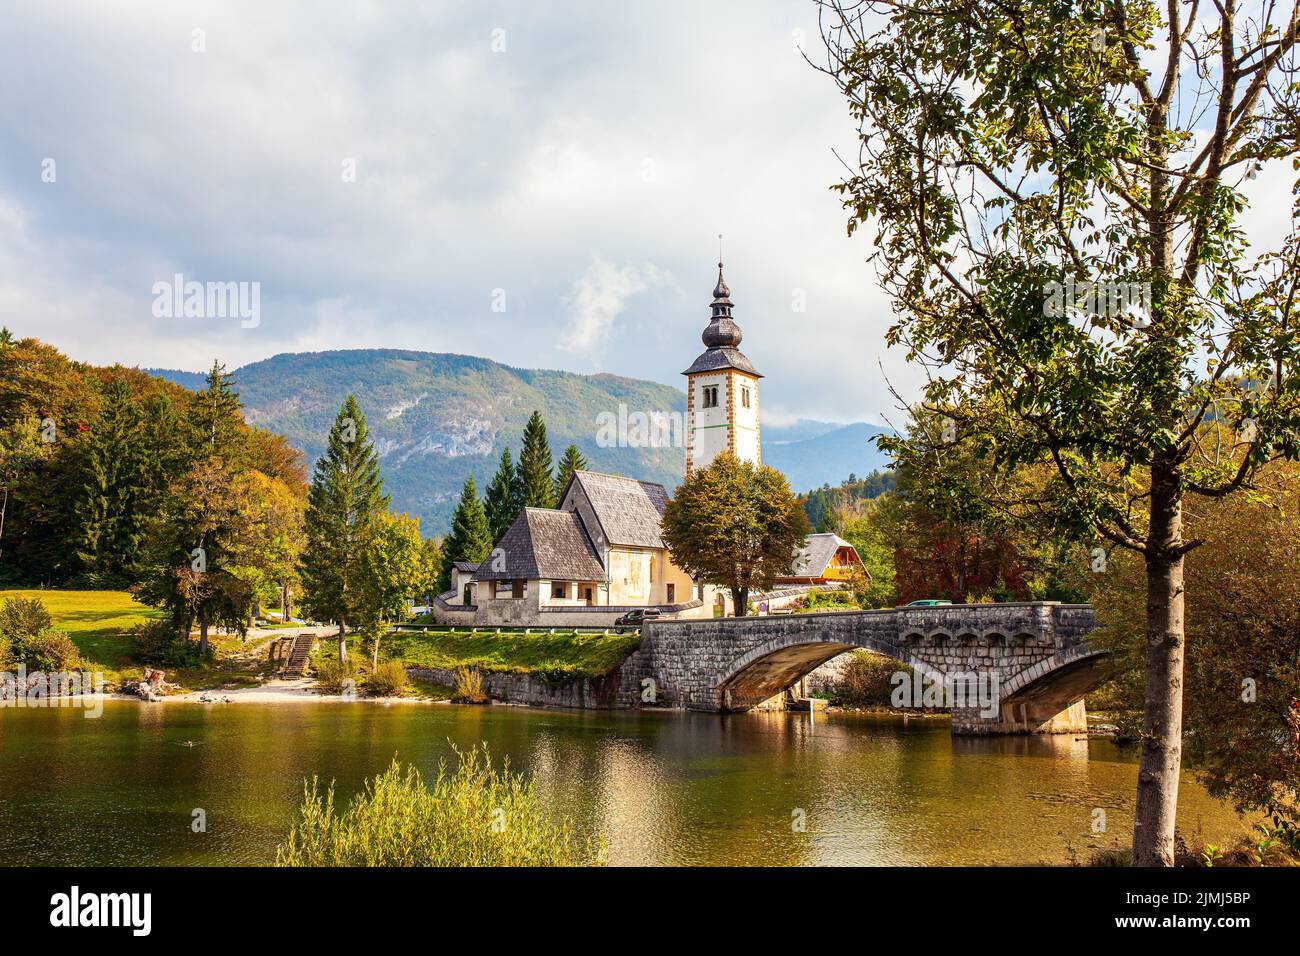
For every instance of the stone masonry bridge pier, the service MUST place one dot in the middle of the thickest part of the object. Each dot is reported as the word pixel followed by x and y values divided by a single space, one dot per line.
pixel 1033 659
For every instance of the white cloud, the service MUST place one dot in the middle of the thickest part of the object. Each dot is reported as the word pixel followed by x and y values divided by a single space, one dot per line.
pixel 598 297
pixel 475 171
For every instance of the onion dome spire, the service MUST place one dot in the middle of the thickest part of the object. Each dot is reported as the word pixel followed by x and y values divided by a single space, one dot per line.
pixel 721 336
pixel 722 331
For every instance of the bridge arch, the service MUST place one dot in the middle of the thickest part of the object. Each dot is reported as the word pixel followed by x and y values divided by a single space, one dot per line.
pixel 1039 694
pixel 769 668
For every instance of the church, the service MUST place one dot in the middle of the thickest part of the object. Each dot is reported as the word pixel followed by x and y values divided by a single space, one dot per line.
pixel 599 554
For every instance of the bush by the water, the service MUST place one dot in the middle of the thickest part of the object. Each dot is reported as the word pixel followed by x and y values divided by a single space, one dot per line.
pixel 333 677
pixel 27 636
pixel 387 680
pixel 865 680
pixel 476 816
pixel 468 686
pixel 157 642
pixel 51 650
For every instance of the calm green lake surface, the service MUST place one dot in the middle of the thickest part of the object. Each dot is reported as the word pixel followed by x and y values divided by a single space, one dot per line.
pixel 664 788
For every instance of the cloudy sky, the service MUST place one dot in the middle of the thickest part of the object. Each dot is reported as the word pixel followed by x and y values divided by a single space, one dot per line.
pixel 394 174
pixel 391 172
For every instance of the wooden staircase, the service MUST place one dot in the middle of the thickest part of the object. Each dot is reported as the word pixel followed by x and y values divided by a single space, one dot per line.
pixel 299 654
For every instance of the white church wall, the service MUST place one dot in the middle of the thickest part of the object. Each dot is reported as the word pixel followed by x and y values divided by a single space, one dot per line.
pixel 746 417
pixel 708 431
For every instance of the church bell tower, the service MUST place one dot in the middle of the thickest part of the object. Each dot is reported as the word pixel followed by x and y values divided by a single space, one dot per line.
pixel 721 392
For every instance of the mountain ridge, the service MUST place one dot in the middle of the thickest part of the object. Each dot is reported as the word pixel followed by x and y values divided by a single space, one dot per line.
pixel 437 417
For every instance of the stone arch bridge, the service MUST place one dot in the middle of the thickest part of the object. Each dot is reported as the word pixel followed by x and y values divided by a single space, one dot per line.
pixel 1032 660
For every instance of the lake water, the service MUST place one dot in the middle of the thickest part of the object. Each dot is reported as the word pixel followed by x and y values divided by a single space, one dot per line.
pixel 664 788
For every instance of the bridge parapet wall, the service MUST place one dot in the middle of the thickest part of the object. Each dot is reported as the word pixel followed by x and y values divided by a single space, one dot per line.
pixel 1023 621
pixel 1000 639
pixel 1072 623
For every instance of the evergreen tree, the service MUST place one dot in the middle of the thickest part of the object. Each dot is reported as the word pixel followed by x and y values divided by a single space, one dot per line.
pixel 470 538
pixel 571 462
pixel 185 571
pixel 193 531
pixel 216 417
pixel 518 493
pixel 536 467
pixel 500 503
pixel 109 506
pixel 346 496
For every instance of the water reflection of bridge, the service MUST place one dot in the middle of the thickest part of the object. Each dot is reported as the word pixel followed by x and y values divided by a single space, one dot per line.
pixel 1035 656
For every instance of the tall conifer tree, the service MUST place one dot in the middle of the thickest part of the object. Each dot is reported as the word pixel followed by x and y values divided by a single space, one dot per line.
pixel 216 417
pixel 111 519
pixel 536 467
pixel 192 529
pixel 346 496
pixel 571 462
pixel 499 503
pixel 470 538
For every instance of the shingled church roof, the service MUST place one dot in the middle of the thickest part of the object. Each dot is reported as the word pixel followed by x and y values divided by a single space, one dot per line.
pixel 543 544
pixel 629 511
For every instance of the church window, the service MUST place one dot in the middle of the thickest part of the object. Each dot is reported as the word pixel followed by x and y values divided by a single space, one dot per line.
pixel 710 396
pixel 672 593
pixel 744 396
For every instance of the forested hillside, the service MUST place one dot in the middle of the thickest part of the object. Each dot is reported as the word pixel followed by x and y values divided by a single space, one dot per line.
pixel 436 418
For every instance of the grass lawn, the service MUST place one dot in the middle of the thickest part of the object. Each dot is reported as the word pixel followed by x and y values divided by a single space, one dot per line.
pixel 97 622
pixel 562 654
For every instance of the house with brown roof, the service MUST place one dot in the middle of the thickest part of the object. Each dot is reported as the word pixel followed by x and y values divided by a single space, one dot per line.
pixel 823 559
pixel 596 556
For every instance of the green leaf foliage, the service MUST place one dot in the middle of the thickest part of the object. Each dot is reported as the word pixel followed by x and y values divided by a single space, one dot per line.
pixel 735 525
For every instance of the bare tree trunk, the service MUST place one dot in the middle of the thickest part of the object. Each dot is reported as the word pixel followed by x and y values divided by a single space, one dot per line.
pixel 343 642
pixel 961 566
pixel 284 604
pixel 203 636
pixel 1162 724
pixel 740 601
